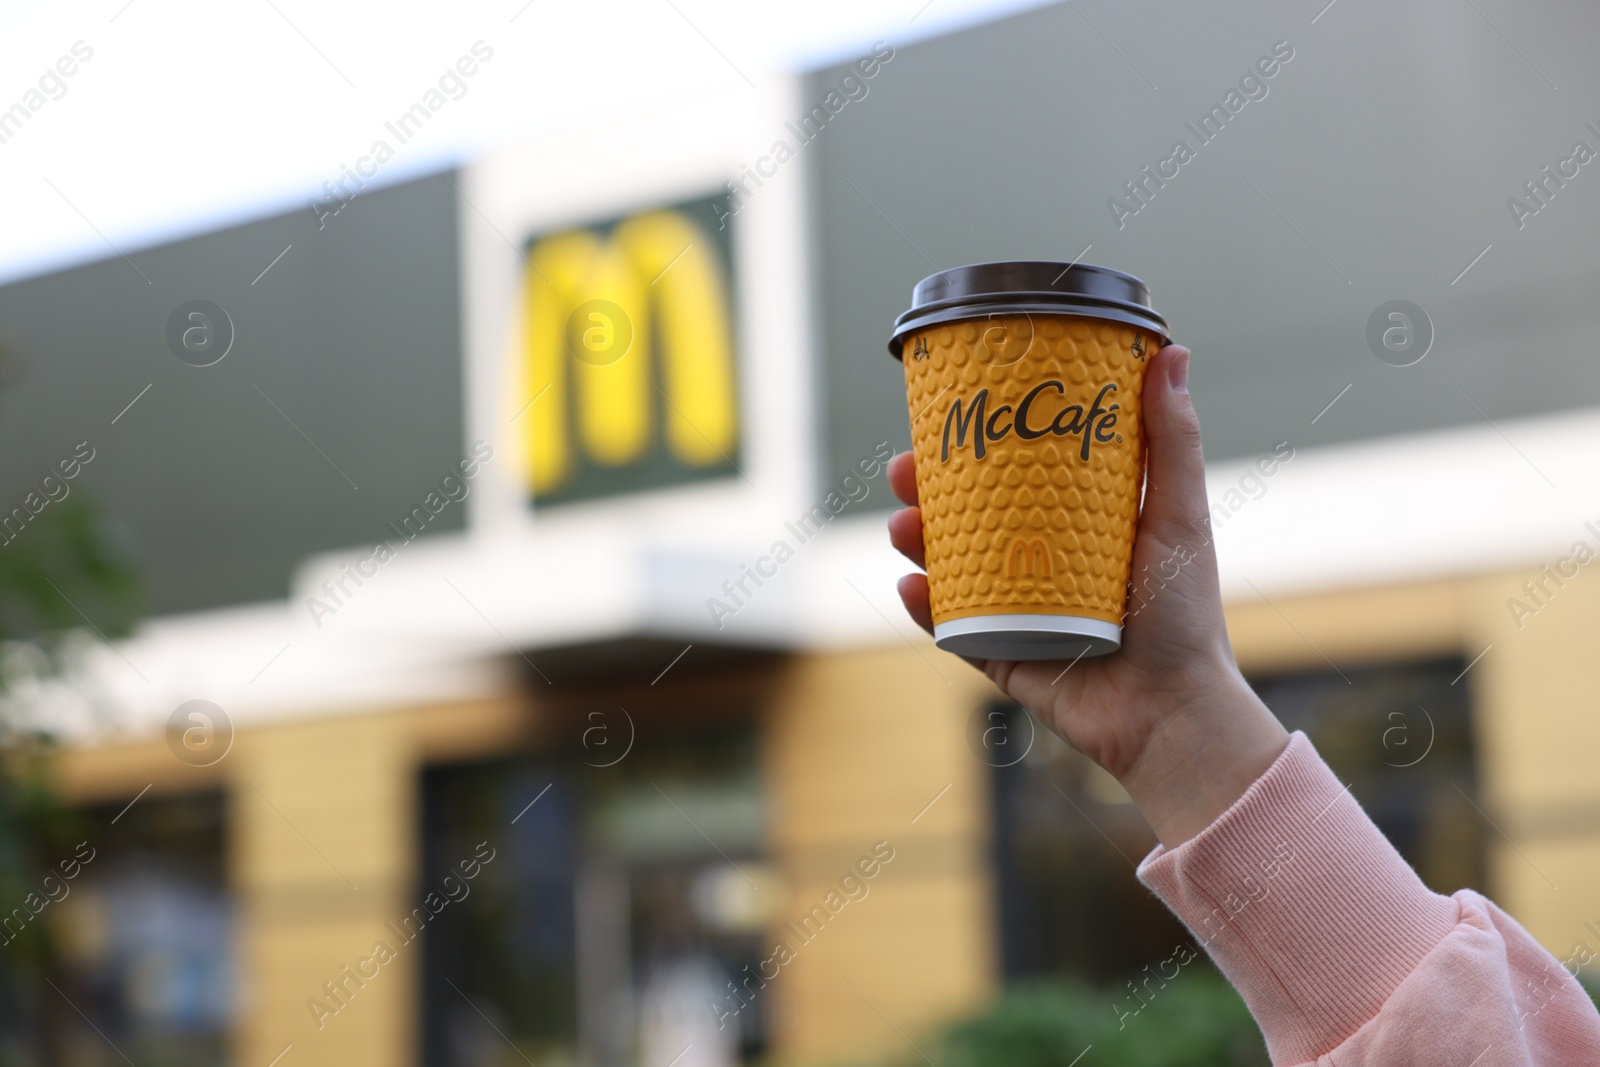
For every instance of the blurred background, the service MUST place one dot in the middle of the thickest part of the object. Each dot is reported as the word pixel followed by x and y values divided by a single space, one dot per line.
pixel 447 615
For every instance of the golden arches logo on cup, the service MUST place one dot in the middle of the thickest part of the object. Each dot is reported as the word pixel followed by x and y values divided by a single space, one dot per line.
pixel 199 733
pixel 625 362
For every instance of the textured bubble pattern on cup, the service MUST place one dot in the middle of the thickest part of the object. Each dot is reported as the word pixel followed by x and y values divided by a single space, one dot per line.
pixel 1030 527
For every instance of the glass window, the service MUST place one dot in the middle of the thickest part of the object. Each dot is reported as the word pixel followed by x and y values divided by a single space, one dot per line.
pixel 138 959
pixel 1067 839
pixel 1401 736
pixel 620 903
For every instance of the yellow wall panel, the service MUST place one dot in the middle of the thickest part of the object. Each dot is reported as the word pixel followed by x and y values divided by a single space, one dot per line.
pixel 858 745
pixel 1389 623
pixel 322 854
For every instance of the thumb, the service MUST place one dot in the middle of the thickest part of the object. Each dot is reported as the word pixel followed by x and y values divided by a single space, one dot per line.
pixel 1175 497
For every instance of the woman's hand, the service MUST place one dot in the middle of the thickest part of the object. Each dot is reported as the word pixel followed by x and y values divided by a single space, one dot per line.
pixel 1169 714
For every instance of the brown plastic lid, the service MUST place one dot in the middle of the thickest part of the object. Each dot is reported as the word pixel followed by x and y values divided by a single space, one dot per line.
pixel 1027 287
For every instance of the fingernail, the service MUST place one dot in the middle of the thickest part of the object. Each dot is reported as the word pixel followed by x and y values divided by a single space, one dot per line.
pixel 1179 373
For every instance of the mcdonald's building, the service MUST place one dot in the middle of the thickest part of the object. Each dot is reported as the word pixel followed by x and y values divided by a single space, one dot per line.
pixel 554 700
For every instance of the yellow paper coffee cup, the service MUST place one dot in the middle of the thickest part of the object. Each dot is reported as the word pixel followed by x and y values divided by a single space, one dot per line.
pixel 1023 383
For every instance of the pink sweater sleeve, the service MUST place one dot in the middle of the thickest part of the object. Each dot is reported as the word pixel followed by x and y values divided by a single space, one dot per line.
pixel 1343 955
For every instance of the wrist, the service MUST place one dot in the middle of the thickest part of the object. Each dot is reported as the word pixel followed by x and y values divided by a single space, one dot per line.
pixel 1202 754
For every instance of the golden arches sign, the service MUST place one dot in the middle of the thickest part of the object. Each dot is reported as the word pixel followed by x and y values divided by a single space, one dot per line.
pixel 594 307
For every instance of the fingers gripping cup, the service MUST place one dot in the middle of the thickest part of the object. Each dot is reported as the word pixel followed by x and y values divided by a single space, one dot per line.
pixel 1024 383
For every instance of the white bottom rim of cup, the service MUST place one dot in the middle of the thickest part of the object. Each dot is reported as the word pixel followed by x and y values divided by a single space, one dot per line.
pixel 1028 637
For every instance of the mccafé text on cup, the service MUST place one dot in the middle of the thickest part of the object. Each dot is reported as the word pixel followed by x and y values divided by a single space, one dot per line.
pixel 1023 382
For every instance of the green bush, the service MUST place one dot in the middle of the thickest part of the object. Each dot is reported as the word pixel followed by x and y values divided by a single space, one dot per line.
pixel 1195 1020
